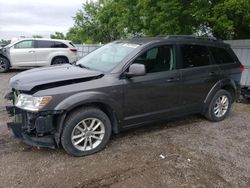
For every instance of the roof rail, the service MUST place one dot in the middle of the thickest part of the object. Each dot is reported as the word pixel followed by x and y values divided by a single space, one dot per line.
pixel 190 37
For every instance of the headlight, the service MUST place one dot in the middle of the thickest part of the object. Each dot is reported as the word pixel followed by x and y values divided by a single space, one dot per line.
pixel 28 102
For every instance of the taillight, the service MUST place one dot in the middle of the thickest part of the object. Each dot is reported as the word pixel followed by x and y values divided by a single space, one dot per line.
pixel 241 68
pixel 73 50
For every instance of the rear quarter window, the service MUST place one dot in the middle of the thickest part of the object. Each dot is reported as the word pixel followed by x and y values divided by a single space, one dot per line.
pixel 59 45
pixel 221 55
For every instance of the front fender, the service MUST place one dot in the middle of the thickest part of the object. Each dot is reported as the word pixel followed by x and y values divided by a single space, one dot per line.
pixel 5 55
pixel 80 99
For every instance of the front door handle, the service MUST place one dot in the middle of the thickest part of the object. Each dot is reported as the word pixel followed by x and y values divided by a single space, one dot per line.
pixel 172 80
pixel 31 51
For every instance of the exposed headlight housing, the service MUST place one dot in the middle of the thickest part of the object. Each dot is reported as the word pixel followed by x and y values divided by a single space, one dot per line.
pixel 28 102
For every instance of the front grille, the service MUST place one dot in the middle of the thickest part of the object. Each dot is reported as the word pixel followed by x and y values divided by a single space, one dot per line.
pixel 27 120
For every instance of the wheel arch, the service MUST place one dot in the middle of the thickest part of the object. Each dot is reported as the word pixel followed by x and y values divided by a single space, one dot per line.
pixel 83 100
pixel 226 84
pixel 7 63
pixel 107 109
pixel 59 56
pixel 3 56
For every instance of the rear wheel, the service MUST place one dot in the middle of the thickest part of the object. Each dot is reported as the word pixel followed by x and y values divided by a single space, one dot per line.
pixel 86 131
pixel 248 100
pixel 59 61
pixel 4 64
pixel 219 106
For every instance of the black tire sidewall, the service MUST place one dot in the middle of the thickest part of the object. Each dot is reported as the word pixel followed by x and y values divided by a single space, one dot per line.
pixel 212 115
pixel 73 120
pixel 7 63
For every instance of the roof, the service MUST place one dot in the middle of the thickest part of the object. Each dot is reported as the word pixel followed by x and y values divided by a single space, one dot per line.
pixel 43 39
pixel 177 38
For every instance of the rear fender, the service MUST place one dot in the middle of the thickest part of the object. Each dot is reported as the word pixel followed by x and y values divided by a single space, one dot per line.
pixel 219 85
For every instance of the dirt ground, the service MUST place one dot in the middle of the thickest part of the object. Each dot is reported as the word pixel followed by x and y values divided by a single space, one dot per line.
pixel 185 152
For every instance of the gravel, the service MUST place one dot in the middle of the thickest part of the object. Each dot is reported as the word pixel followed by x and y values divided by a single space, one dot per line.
pixel 183 152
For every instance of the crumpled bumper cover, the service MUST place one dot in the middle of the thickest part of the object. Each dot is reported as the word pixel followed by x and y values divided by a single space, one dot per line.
pixel 41 123
pixel 9 96
pixel 45 141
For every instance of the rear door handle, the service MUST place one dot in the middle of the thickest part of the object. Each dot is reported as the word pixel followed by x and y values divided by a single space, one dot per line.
pixel 212 73
pixel 31 51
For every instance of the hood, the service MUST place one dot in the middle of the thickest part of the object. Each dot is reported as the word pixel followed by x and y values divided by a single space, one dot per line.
pixel 51 77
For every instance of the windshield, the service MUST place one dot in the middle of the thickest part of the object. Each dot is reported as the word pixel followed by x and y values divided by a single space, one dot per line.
pixel 107 57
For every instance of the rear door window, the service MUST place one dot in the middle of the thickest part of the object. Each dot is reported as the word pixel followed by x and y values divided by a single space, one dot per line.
pixel 44 44
pixel 50 44
pixel 194 56
pixel 221 56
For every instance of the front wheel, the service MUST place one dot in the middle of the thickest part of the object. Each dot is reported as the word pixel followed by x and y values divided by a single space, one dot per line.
pixel 4 64
pixel 219 106
pixel 86 131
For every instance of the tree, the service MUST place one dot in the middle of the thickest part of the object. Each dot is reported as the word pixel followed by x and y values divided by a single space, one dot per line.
pixel 97 22
pixel 107 20
pixel 230 19
pixel 166 17
pixel 4 42
pixel 57 35
pixel 37 36
pixel 74 35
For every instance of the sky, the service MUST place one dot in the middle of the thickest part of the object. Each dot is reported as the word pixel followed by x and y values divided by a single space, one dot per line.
pixel 36 17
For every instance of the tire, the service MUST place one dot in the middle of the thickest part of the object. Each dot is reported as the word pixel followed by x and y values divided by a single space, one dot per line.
pixel 248 100
pixel 59 61
pixel 84 134
pixel 4 64
pixel 219 106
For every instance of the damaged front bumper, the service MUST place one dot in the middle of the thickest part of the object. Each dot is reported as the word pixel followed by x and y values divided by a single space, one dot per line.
pixel 35 129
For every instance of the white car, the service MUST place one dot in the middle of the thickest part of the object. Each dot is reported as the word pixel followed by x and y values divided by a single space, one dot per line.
pixel 34 52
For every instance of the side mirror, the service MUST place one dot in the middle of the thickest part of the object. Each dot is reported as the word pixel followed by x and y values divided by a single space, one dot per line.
pixel 136 70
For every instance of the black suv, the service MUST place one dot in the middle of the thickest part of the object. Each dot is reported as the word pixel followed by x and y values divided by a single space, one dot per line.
pixel 121 85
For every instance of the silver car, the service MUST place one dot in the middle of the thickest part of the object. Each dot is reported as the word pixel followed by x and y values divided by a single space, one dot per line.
pixel 34 52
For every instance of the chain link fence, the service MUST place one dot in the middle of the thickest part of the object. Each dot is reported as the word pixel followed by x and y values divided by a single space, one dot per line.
pixel 84 49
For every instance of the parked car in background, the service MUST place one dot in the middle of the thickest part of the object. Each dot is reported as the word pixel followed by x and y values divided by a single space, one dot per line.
pixel 121 85
pixel 34 52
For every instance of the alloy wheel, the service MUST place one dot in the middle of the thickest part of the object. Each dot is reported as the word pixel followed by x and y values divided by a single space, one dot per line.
pixel 88 134
pixel 221 106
